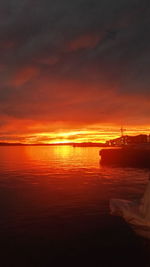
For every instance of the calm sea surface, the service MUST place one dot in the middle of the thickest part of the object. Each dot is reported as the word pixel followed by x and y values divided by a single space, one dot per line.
pixel 54 208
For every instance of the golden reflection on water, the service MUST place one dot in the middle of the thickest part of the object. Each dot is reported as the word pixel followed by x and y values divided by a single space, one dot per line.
pixel 60 155
pixel 62 158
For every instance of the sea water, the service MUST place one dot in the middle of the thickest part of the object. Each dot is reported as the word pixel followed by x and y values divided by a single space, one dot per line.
pixel 54 208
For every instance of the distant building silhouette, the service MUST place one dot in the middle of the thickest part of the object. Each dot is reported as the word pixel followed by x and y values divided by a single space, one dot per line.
pixel 129 140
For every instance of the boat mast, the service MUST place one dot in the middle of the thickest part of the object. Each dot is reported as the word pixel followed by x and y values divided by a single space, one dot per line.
pixel 122 134
pixel 122 131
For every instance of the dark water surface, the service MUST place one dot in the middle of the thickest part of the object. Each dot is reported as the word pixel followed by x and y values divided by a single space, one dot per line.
pixel 54 209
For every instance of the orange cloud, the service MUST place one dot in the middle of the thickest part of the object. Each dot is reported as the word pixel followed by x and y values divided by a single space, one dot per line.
pixel 84 41
pixel 24 75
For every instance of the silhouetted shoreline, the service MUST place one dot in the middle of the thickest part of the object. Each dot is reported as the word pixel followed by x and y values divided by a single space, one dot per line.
pixel 58 144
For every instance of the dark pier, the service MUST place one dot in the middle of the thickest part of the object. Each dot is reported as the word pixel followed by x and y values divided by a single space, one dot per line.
pixel 126 156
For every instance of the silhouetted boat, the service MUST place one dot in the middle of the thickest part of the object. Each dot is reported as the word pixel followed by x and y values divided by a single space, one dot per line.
pixel 132 156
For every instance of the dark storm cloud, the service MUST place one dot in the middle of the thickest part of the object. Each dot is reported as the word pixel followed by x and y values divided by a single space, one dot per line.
pixel 33 28
pixel 101 42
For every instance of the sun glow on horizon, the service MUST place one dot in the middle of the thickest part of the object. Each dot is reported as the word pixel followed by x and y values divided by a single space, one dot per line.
pixel 92 134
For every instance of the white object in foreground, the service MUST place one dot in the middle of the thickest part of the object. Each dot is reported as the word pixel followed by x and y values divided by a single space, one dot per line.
pixel 135 213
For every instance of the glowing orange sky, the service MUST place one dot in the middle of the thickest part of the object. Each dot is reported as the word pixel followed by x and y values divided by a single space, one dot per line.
pixel 45 133
pixel 51 111
pixel 82 136
pixel 75 72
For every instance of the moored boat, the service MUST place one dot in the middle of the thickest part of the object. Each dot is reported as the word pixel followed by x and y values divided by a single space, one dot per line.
pixel 137 156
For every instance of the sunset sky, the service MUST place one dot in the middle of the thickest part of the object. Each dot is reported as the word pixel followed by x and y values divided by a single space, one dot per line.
pixel 74 70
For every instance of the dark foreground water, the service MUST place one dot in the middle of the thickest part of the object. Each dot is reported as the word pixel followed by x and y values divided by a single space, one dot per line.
pixel 54 209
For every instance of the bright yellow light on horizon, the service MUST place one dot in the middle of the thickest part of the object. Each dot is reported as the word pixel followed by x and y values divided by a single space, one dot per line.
pixel 97 134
